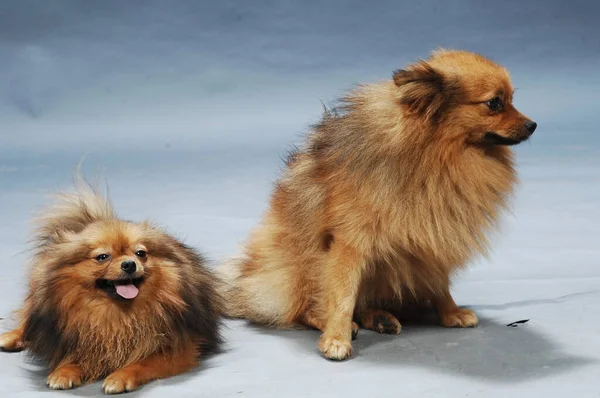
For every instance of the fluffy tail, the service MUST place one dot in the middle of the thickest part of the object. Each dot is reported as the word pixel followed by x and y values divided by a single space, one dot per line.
pixel 228 273
pixel 72 212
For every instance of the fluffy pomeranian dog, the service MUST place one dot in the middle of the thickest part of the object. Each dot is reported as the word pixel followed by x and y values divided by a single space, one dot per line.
pixel 393 192
pixel 113 298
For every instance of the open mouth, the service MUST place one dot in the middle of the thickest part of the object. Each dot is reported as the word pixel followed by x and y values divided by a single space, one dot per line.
pixel 497 139
pixel 127 289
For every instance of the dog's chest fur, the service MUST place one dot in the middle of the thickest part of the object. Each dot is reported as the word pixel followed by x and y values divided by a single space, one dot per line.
pixel 435 215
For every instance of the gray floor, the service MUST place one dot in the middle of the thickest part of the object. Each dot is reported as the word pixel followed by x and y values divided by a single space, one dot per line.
pixel 186 108
pixel 544 269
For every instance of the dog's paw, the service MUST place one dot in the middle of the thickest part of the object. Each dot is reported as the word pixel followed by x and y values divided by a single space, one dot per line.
pixel 381 322
pixel 64 378
pixel 335 349
pixel 461 318
pixel 11 341
pixel 119 382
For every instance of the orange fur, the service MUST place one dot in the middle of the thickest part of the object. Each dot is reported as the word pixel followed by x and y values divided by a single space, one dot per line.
pixel 83 328
pixel 393 192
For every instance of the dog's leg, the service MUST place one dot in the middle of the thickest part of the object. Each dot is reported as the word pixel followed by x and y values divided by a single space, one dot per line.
pixel 450 315
pixel 315 323
pixel 12 341
pixel 343 273
pixel 65 377
pixel 157 366
pixel 380 321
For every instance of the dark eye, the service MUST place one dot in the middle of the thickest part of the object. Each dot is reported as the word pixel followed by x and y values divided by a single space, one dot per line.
pixel 141 253
pixel 102 257
pixel 495 104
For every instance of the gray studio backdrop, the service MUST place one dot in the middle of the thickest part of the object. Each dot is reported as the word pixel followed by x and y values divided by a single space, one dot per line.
pixel 76 74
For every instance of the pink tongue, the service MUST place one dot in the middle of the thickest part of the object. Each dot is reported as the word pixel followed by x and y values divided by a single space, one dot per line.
pixel 127 291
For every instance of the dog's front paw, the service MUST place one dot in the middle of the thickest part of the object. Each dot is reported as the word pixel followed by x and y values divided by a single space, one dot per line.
pixel 336 349
pixel 461 318
pixel 119 382
pixel 65 378
pixel 11 341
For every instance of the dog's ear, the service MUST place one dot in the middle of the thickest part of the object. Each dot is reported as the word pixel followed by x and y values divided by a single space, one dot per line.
pixel 424 90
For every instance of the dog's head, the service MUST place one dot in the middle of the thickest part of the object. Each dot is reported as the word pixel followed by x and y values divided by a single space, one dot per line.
pixel 115 260
pixel 466 92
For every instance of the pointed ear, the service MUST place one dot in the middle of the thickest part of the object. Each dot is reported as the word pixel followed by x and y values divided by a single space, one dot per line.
pixel 424 90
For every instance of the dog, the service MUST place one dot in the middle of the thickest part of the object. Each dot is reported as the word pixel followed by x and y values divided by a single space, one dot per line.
pixel 394 191
pixel 113 298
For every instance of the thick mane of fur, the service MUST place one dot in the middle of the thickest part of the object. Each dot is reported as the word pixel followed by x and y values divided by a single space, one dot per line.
pixel 447 195
pixel 203 309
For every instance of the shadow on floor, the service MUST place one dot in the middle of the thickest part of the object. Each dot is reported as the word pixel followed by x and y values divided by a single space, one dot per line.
pixel 492 351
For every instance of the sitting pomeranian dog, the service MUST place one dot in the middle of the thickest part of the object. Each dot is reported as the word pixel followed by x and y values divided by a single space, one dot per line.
pixel 112 298
pixel 393 192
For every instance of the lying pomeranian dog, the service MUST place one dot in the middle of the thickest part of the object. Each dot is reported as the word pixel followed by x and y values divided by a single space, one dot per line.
pixel 393 192
pixel 112 298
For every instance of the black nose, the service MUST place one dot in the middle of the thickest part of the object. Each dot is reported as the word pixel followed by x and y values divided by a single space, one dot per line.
pixel 531 126
pixel 128 266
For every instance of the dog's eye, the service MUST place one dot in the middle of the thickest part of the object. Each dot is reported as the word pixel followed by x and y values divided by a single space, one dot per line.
pixel 102 257
pixel 141 253
pixel 495 104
